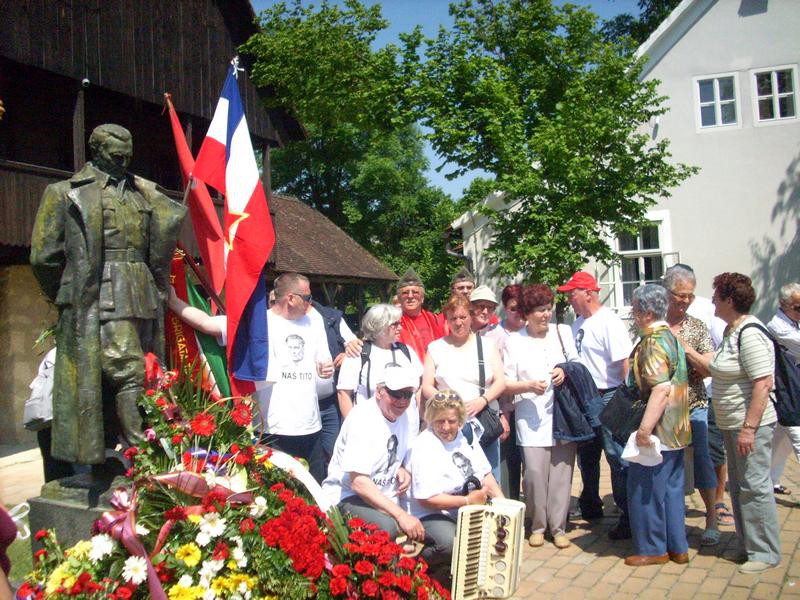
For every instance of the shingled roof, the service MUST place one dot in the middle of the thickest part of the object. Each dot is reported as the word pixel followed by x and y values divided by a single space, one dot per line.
pixel 310 243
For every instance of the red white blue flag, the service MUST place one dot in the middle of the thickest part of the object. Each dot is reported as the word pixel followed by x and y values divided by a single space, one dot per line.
pixel 226 162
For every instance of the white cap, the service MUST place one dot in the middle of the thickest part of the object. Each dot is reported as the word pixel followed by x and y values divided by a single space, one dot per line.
pixel 482 292
pixel 397 377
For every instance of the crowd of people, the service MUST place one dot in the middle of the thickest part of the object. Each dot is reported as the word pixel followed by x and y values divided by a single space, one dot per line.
pixel 426 412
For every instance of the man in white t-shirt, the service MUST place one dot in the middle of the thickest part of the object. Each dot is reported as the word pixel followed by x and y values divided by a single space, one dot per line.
pixel 366 477
pixel 298 355
pixel 604 345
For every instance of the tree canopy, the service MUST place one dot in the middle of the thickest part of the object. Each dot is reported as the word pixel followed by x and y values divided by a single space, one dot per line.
pixel 534 95
pixel 631 31
pixel 362 164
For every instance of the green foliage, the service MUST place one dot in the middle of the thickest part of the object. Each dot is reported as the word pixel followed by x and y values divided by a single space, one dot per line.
pixel 532 94
pixel 632 31
pixel 362 164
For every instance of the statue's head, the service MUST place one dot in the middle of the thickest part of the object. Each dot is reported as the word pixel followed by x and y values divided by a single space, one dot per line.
pixel 112 148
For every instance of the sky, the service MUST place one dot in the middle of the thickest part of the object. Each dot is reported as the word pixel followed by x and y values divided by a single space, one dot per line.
pixel 404 15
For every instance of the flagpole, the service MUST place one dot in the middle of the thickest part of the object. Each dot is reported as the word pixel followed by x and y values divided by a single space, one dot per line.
pixel 201 277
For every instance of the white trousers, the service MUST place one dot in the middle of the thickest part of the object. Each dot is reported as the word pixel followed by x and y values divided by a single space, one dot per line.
pixel 784 441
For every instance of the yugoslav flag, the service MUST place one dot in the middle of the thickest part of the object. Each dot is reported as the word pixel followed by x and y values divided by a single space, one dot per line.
pixel 227 163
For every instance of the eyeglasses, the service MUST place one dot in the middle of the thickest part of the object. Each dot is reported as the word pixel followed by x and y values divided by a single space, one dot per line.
pixel 395 324
pixel 684 296
pixel 794 307
pixel 400 394
pixel 304 297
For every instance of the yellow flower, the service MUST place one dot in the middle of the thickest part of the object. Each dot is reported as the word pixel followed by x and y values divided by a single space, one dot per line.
pixel 195 519
pixel 232 565
pixel 59 574
pixel 189 554
pixel 80 550
pixel 178 592
pixel 236 579
pixel 220 585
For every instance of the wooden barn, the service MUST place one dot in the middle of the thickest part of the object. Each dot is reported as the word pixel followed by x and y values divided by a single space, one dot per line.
pixel 67 66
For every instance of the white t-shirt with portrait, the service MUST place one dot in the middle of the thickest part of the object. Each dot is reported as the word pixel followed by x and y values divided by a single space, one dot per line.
pixel 354 376
pixel 288 398
pixel 439 467
pixel 602 340
pixel 530 358
pixel 369 444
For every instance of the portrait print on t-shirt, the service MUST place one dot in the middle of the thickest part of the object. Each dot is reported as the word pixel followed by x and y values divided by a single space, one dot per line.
pixel 296 346
pixel 391 450
pixel 464 465
pixel 297 365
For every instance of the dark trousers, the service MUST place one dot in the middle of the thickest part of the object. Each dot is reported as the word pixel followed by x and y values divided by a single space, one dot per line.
pixel 511 463
pixel 308 447
pixel 589 465
pixel 331 423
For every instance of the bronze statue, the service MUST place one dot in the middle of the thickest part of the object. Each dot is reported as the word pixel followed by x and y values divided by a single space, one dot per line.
pixel 101 249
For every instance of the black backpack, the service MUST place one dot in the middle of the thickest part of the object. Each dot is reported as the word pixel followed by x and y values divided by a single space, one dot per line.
pixel 365 350
pixel 787 381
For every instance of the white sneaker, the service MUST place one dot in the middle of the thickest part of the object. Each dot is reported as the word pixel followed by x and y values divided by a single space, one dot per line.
pixel 755 566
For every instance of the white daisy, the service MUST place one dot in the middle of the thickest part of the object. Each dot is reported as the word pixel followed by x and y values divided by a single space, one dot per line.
pixel 135 570
pixel 186 581
pixel 213 524
pixel 141 529
pixel 209 594
pixel 258 507
pixel 102 545
pixel 202 539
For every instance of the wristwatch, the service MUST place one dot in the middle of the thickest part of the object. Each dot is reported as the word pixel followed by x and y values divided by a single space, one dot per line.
pixel 748 426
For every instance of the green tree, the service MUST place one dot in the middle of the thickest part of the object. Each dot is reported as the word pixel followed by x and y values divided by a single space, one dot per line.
pixel 532 94
pixel 631 31
pixel 362 164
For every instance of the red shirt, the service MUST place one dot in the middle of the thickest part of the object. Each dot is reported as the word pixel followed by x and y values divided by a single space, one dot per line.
pixel 417 332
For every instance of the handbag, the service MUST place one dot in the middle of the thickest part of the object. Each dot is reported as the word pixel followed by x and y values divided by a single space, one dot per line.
pixel 489 418
pixel 623 413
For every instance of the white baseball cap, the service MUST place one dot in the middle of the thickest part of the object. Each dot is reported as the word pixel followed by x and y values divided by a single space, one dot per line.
pixel 397 377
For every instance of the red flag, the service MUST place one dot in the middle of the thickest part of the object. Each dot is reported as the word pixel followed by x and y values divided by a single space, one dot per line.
pixel 207 230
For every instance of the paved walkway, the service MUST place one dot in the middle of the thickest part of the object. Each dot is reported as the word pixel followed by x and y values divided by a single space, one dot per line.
pixel 593 566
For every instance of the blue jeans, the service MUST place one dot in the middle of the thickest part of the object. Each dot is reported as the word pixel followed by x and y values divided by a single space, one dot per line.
pixel 705 477
pixel 331 423
pixel 657 512
pixel 589 464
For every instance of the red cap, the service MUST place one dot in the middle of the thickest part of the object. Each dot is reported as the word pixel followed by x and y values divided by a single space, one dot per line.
pixel 580 281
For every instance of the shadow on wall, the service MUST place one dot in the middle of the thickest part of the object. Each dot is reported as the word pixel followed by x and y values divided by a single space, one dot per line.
pixel 778 262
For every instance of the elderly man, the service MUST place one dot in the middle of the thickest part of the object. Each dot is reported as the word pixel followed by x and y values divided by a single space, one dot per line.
pixel 101 250
pixel 603 345
pixel 463 283
pixel 483 304
pixel 298 354
pixel 419 327
pixel 785 327
pixel 366 477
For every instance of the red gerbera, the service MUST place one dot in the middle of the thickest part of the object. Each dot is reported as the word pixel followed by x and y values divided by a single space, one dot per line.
pixel 242 415
pixel 204 424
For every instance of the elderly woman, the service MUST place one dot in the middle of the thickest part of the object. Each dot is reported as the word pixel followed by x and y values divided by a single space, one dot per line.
pixel 452 363
pixel 441 461
pixel 695 338
pixel 360 375
pixel 742 369
pixel 530 359
pixel 655 493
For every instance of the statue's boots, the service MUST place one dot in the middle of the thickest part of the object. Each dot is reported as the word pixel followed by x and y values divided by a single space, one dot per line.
pixel 130 418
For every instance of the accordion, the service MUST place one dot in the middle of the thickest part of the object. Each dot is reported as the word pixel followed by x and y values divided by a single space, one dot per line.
pixel 487 552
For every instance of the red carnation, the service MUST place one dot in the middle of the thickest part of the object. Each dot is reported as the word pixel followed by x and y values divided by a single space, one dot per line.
pixel 364 567
pixel 386 579
pixel 124 593
pixel 131 452
pixel 203 424
pixel 177 513
pixel 40 554
pixel 341 570
pixel 404 583
pixel 406 563
pixel 355 522
pixel 242 415
pixel 390 595
pixel 338 586
pixel 221 552
pixel 40 535
pixel 176 439
pixel 370 588
pixel 247 525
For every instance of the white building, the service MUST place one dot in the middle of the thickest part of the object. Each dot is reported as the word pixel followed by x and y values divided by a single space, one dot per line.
pixel 729 69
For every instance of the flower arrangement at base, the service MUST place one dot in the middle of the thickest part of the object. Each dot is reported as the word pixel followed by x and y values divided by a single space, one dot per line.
pixel 208 515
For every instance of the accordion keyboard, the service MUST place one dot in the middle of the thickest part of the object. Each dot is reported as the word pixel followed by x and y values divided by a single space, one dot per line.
pixel 487 551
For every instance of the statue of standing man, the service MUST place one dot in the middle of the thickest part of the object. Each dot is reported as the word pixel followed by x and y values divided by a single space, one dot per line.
pixel 101 249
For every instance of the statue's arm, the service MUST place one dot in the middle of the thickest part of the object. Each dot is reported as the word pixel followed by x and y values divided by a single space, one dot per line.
pixel 47 242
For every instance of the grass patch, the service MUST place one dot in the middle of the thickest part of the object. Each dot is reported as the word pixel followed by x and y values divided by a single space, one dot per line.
pixel 19 552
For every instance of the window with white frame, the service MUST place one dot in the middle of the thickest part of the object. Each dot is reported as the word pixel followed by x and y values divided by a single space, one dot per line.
pixel 716 100
pixel 775 97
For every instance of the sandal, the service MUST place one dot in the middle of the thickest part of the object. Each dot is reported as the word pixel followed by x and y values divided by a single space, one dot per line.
pixel 411 549
pixel 710 537
pixel 724 515
pixel 782 490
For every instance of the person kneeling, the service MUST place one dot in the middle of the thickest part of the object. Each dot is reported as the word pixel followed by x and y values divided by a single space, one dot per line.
pixel 365 476
pixel 441 462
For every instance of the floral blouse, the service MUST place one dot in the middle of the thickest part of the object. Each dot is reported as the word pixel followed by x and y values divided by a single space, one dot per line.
pixel 695 333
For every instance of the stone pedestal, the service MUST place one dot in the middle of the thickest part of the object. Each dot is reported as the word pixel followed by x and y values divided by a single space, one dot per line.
pixel 69 511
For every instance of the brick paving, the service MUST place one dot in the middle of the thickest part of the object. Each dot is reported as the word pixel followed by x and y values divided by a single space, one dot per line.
pixel 593 566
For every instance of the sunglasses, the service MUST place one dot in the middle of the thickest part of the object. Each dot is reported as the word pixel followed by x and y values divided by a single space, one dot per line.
pixel 304 297
pixel 400 394
pixel 446 396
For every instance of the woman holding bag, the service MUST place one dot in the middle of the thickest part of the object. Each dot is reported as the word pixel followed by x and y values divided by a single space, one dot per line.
pixel 470 366
pixel 655 492
pixel 530 359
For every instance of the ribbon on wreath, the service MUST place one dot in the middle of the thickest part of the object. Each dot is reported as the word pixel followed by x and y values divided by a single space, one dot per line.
pixel 120 524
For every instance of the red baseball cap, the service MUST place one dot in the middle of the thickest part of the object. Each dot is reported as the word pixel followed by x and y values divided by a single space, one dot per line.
pixel 580 281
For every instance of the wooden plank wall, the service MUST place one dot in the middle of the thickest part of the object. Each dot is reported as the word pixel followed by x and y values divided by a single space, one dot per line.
pixel 140 48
